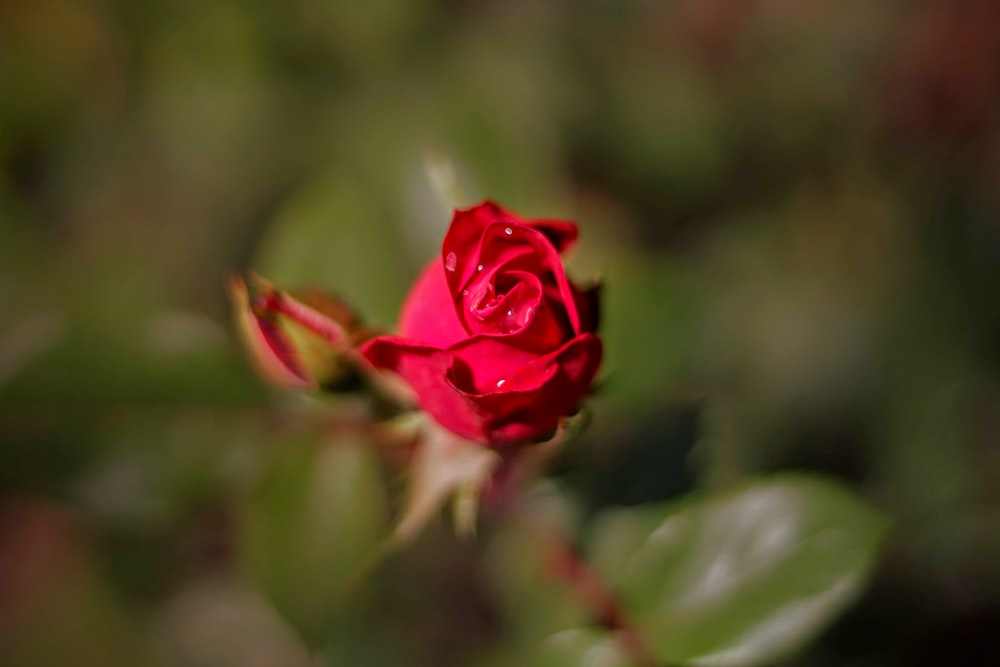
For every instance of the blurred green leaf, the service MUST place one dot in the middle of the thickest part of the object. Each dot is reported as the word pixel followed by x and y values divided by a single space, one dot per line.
pixel 743 577
pixel 666 128
pixel 572 648
pixel 316 520
pixel 331 234
pixel 167 356
pixel 648 305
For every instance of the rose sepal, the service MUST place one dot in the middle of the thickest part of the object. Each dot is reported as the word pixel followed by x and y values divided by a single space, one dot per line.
pixel 444 467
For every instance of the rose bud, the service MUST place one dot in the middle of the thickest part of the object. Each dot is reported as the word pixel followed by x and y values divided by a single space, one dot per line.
pixel 302 339
pixel 496 342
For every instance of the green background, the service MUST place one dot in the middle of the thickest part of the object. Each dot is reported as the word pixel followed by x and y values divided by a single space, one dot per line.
pixel 793 205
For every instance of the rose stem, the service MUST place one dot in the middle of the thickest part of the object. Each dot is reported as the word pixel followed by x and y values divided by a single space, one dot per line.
pixel 565 562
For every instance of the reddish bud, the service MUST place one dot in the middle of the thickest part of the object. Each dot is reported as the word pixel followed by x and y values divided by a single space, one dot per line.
pixel 303 339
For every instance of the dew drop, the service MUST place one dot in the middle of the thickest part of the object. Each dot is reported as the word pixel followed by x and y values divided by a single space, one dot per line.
pixel 465 292
pixel 479 268
pixel 508 231
pixel 501 383
pixel 451 261
pixel 506 324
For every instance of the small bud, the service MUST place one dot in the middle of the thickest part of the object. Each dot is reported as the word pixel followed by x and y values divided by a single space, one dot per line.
pixel 303 339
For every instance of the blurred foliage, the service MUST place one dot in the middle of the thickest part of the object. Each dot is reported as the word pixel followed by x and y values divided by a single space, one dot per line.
pixel 793 205
pixel 317 517
pixel 741 578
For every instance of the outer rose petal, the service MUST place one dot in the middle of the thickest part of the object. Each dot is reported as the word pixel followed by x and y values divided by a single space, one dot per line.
pixel 489 362
pixel 529 405
pixel 526 407
pixel 427 370
pixel 561 233
pixel 588 303
pixel 468 226
pixel 429 315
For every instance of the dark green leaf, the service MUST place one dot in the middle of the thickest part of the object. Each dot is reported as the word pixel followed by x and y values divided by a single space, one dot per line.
pixel 743 577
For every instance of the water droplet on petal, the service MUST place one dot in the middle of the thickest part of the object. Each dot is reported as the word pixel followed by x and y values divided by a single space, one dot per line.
pixel 451 261
pixel 465 292
pixel 501 383
pixel 508 322
pixel 479 268
pixel 508 231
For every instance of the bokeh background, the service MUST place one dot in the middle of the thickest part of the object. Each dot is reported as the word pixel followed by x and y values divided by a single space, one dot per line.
pixel 794 205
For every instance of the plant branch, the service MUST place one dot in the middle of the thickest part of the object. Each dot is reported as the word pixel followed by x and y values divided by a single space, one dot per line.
pixel 566 563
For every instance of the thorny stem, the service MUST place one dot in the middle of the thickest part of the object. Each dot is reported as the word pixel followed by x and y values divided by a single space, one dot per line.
pixel 566 563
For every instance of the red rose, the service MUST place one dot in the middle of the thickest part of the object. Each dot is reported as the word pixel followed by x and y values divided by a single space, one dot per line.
pixel 494 339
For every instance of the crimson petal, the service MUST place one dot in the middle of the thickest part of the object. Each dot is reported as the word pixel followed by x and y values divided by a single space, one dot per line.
pixel 429 314
pixel 428 371
pixel 525 407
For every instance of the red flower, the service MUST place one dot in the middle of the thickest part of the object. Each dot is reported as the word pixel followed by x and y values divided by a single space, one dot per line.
pixel 494 339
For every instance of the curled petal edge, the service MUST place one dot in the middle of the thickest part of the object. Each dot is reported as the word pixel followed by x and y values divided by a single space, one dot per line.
pixel 546 389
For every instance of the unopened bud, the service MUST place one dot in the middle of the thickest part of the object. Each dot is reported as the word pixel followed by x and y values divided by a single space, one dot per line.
pixel 302 339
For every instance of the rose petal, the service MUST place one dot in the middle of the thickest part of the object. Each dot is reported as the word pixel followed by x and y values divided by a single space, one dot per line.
pixel 460 250
pixel 559 274
pixel 503 246
pixel 520 310
pixel 560 233
pixel 463 243
pixel 526 407
pixel 531 402
pixel 504 297
pixel 508 312
pixel 428 371
pixel 533 311
pixel 487 360
pixel 588 301
pixel 429 314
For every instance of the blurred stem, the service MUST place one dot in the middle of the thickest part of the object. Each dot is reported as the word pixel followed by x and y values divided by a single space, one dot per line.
pixel 566 563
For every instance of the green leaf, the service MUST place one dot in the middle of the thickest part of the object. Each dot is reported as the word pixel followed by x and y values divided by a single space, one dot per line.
pixel 572 648
pixel 315 522
pixel 743 577
pixel 332 234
